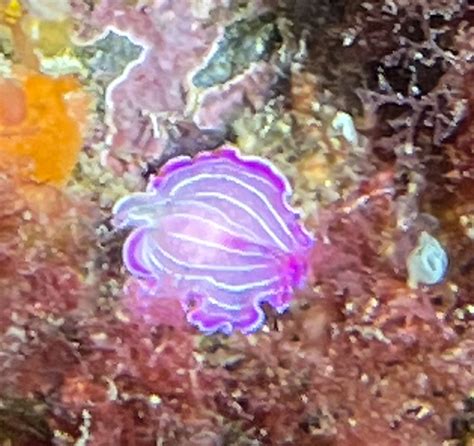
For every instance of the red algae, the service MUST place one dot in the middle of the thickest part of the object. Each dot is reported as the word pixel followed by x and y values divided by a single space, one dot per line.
pixel 41 238
pixel 43 250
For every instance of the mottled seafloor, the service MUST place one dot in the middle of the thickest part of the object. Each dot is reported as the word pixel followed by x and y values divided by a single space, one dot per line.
pixel 365 106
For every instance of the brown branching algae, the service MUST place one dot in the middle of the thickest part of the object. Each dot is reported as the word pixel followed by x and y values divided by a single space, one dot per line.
pixel 364 107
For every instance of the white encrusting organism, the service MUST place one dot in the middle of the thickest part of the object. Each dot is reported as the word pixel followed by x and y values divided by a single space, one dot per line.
pixel 343 124
pixel 427 263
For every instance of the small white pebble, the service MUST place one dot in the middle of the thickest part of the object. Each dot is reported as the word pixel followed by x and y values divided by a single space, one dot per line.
pixel 154 399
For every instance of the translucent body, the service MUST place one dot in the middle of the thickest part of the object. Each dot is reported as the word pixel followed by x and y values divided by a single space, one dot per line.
pixel 218 231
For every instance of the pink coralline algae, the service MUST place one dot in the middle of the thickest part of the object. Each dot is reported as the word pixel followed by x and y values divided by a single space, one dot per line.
pixel 201 65
pixel 217 231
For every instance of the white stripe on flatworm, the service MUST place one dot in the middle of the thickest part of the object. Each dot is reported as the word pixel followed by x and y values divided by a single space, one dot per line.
pixel 212 280
pixel 204 220
pixel 197 266
pixel 208 244
pixel 263 198
pixel 249 211
pixel 231 223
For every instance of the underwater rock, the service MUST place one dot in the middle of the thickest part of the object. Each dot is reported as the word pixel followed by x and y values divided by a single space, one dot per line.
pixel 359 358
pixel 220 105
pixel 24 421
pixel 51 10
pixel 243 42
pixel 108 56
pixel 164 86
pixel 151 87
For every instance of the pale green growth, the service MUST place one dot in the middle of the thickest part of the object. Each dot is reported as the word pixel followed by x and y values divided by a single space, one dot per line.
pixel 427 263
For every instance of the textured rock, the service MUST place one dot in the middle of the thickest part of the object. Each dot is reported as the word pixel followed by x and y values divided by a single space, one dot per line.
pixel 359 358
pixel 208 81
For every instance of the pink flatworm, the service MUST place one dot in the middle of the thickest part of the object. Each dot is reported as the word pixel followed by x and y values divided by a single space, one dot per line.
pixel 216 230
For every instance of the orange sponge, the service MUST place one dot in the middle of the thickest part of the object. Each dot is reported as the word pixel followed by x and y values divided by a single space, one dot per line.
pixel 41 120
